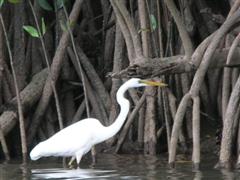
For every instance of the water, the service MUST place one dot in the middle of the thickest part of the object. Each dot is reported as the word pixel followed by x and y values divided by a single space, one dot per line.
pixel 134 167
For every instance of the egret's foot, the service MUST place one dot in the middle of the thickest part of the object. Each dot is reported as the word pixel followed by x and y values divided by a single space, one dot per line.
pixel 94 160
pixel 70 164
pixel 93 153
pixel 92 165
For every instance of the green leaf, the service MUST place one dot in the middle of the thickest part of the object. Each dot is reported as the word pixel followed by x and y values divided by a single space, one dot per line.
pixel 45 5
pixel 14 1
pixel 1 3
pixel 32 31
pixel 43 26
pixel 153 22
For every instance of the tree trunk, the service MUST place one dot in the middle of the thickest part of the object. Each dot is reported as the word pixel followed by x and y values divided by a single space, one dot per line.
pixel 150 133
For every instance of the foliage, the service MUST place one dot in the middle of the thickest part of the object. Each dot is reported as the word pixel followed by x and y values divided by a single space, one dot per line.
pixel 1 2
pixel 48 7
pixel 153 22
pixel 11 1
pixel 43 26
pixel 45 5
pixel 33 31
pixel 14 1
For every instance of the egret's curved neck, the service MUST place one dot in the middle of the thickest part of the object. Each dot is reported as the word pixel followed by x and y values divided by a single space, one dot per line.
pixel 124 109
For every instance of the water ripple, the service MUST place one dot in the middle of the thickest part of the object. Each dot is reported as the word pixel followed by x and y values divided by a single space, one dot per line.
pixel 59 173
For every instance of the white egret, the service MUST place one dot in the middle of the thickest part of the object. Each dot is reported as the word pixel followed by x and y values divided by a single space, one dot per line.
pixel 78 138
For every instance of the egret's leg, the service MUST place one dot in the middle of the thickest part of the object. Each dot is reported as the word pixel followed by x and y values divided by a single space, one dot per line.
pixel 71 161
pixel 93 152
pixel 78 157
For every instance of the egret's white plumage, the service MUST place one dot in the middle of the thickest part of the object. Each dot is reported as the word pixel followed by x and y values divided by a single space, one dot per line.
pixel 78 138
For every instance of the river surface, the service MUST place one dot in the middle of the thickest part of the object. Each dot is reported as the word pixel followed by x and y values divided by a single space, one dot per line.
pixel 134 167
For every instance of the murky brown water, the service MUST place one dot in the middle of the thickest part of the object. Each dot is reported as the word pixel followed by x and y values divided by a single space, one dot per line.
pixel 114 167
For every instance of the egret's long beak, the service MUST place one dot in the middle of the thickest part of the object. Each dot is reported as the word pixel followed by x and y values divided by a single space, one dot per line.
pixel 153 83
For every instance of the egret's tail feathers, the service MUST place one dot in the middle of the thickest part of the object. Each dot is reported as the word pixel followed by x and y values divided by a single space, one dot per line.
pixel 34 155
pixel 37 152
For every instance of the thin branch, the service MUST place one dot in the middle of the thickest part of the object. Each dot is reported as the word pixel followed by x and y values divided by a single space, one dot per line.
pixel 55 70
pixel 196 132
pixel 186 40
pixel 94 78
pixel 160 38
pixel 226 76
pixel 20 110
pixel 135 37
pixel 167 115
pixel 144 26
pixel 176 128
pixel 78 61
pixel 125 32
pixel 199 76
pixel 60 120
pixel 4 145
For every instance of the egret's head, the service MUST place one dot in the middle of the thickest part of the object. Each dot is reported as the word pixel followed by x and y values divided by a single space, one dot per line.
pixel 136 82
